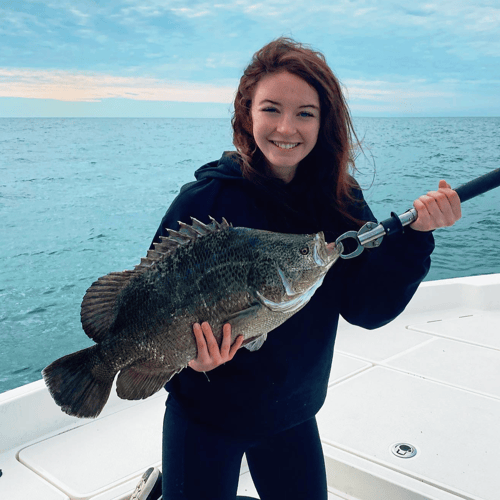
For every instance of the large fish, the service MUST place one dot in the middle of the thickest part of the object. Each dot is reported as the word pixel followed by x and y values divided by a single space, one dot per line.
pixel 142 319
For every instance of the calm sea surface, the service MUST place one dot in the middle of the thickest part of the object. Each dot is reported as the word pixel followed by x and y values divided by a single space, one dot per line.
pixel 80 198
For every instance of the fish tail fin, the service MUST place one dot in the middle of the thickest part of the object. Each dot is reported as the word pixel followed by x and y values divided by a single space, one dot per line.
pixel 73 385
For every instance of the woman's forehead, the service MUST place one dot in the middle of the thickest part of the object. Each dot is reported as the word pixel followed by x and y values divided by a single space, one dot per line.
pixel 285 88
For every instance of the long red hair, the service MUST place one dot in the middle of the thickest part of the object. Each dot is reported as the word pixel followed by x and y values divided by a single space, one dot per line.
pixel 331 161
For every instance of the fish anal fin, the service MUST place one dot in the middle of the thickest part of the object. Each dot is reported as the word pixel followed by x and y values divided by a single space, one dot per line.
pixel 142 379
pixel 98 305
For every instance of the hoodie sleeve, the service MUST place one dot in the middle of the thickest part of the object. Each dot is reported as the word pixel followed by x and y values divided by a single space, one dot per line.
pixel 378 285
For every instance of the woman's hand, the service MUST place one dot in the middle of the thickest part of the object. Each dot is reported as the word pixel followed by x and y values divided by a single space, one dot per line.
pixel 209 355
pixel 437 208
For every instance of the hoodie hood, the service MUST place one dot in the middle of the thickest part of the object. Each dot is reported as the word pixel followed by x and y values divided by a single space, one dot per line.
pixel 298 195
pixel 227 168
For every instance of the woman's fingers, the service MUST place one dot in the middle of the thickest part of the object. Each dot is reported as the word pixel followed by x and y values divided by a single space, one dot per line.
pixel 213 347
pixel 437 208
pixel 226 341
pixel 201 343
pixel 237 344
pixel 209 355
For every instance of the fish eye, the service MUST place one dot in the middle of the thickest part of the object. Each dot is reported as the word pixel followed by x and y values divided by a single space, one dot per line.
pixel 304 251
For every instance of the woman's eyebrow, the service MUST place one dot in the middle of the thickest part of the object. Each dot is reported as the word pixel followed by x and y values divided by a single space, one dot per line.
pixel 269 100
pixel 278 104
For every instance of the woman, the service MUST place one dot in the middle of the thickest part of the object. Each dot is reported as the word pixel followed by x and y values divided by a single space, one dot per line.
pixel 295 143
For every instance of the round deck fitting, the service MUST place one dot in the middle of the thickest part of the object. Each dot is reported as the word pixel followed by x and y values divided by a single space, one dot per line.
pixel 403 450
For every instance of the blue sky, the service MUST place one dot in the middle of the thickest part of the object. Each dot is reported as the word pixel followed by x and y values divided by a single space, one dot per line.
pixel 184 57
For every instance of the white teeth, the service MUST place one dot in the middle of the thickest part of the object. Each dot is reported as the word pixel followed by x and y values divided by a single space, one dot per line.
pixel 285 145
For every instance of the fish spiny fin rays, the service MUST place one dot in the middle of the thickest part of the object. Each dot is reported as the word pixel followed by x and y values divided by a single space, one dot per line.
pixel 257 343
pixel 142 379
pixel 209 228
pixel 98 305
pixel 186 234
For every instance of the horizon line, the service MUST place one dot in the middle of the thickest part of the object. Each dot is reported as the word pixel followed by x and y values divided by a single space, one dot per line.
pixel 226 118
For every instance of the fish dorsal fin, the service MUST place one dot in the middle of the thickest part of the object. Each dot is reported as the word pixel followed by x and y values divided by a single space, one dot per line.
pixel 98 310
pixel 186 234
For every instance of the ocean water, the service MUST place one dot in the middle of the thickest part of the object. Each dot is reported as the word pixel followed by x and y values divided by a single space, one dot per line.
pixel 80 198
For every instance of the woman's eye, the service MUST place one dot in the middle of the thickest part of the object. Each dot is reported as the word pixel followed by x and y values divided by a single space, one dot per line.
pixel 306 114
pixel 270 110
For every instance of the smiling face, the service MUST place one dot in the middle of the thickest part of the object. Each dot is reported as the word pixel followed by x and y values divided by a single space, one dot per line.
pixel 285 119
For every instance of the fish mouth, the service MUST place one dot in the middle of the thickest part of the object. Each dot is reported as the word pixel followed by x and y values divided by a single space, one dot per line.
pixel 325 254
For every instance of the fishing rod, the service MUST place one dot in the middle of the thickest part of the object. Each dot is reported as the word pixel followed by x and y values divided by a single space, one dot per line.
pixel 372 234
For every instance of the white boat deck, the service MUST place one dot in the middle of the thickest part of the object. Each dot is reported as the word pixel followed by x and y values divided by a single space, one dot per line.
pixel 431 379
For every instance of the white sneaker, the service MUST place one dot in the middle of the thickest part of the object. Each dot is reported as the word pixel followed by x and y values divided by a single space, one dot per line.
pixel 148 481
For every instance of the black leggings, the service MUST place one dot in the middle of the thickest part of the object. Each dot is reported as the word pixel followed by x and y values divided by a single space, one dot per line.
pixel 201 463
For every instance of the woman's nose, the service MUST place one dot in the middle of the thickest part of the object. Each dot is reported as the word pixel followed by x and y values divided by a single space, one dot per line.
pixel 286 125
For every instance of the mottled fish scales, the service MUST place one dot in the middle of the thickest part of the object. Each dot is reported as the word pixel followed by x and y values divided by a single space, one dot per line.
pixel 141 319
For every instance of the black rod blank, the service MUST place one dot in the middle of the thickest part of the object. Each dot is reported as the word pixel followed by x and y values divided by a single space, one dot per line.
pixel 478 186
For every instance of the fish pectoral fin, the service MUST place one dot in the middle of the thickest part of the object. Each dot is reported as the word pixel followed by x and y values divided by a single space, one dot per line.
pixel 256 343
pixel 142 379
pixel 241 318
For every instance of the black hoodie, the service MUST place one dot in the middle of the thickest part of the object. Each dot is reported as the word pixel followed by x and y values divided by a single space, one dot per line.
pixel 284 383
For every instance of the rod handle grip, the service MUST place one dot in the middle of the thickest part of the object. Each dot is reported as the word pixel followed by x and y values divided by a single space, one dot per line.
pixel 478 186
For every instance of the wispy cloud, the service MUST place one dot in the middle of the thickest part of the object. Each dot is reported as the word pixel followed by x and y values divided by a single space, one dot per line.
pixel 18 24
pixel 387 91
pixel 71 86
pixel 83 87
pixel 195 51
pixel 81 17
pixel 190 12
pixel 403 97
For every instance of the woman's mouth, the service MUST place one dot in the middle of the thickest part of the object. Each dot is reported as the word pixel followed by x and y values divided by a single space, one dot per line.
pixel 285 145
